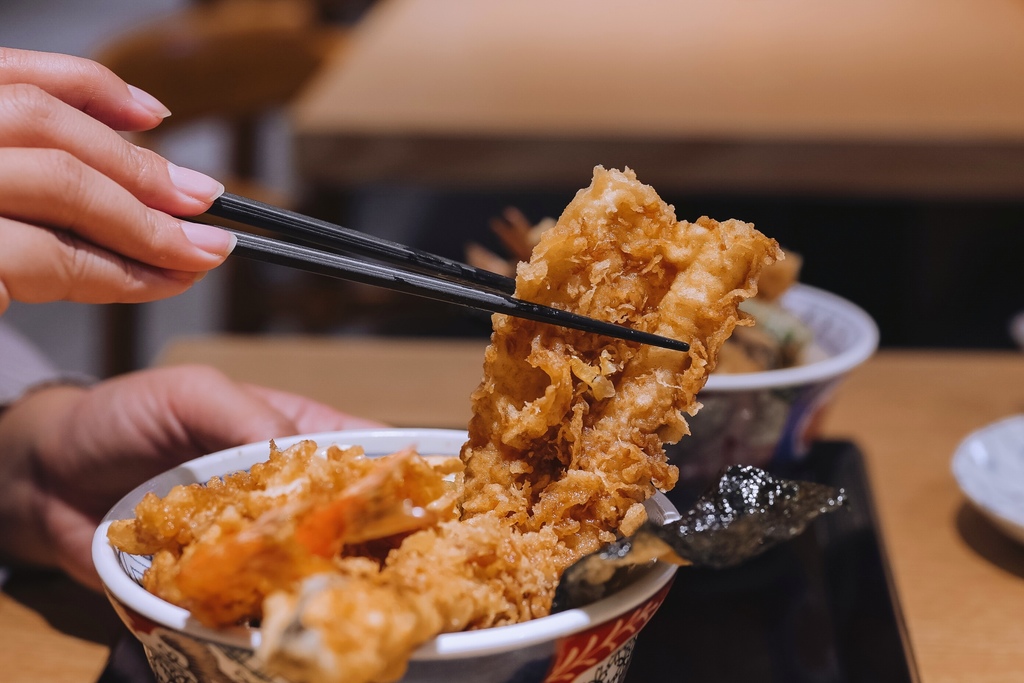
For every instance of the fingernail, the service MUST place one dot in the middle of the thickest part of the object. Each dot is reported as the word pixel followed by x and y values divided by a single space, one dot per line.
pixel 148 102
pixel 195 184
pixel 209 239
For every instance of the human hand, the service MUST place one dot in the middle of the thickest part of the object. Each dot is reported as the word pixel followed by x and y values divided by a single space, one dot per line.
pixel 70 453
pixel 84 214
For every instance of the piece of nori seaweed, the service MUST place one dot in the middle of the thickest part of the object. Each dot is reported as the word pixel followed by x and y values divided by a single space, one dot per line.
pixel 746 512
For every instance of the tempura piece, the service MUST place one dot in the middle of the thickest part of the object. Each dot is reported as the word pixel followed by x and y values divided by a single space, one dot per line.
pixel 363 625
pixel 567 426
pixel 219 549
pixel 749 349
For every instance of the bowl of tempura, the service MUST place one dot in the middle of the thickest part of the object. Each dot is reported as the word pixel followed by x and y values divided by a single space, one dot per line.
pixel 227 580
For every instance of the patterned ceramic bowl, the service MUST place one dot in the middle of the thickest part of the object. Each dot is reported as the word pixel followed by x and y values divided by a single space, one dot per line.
pixel 588 644
pixel 760 418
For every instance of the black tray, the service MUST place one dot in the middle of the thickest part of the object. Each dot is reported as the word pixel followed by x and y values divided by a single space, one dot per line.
pixel 817 609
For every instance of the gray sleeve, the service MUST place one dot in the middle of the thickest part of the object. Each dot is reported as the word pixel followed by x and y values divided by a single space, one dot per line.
pixel 22 366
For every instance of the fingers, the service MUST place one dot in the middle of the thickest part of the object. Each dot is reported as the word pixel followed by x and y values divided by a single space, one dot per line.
pixel 223 413
pixel 53 188
pixel 130 428
pixel 108 245
pixel 38 266
pixel 110 202
pixel 186 411
pixel 213 412
pixel 32 118
pixel 308 415
pixel 85 85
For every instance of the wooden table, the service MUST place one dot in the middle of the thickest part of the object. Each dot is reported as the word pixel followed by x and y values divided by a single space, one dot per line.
pixel 960 583
pixel 882 97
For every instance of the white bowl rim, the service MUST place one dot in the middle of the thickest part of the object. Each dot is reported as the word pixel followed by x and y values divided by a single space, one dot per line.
pixel 966 473
pixel 818 371
pixel 445 646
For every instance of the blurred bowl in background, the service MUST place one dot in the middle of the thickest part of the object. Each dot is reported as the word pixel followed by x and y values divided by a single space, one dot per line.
pixel 591 643
pixel 770 417
pixel 1017 329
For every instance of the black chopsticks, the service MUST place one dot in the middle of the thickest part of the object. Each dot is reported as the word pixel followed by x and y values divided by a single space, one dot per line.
pixel 413 271
pixel 308 229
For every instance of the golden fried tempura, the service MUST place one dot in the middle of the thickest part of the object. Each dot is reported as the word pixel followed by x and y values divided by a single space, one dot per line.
pixel 363 625
pixel 565 444
pixel 568 427
pixel 219 549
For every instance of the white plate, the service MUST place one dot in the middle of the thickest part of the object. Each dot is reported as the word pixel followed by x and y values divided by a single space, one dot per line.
pixel 989 467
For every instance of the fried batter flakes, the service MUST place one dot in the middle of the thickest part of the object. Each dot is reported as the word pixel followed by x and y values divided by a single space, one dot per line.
pixel 568 427
pixel 220 549
pixel 472 573
pixel 565 444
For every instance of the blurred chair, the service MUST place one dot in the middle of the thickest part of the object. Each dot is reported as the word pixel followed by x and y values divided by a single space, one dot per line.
pixel 233 61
